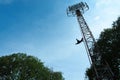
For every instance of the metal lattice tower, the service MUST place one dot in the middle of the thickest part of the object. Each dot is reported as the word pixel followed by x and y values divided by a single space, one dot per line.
pixel 101 69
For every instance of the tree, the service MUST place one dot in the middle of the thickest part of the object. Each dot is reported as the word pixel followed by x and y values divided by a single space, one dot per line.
pixel 109 46
pixel 57 76
pixel 22 67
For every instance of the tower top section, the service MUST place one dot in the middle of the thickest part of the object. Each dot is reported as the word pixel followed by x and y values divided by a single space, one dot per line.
pixel 82 7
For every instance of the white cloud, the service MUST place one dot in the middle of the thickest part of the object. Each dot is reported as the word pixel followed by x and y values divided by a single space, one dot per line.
pixel 97 18
pixel 103 2
pixel 106 2
pixel 108 11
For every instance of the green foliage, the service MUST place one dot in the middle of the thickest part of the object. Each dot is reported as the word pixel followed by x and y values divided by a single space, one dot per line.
pixel 109 46
pixel 22 67
pixel 57 76
pixel 90 73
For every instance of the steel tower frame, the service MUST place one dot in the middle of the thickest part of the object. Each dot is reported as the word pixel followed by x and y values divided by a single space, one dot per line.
pixel 101 69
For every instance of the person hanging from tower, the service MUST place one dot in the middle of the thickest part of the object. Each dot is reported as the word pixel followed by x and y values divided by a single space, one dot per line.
pixel 79 41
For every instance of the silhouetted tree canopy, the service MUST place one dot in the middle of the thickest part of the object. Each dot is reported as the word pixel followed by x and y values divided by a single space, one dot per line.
pixel 23 67
pixel 109 46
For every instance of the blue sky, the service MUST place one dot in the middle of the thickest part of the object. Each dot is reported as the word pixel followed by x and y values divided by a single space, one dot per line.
pixel 41 28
